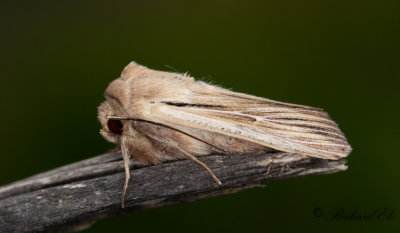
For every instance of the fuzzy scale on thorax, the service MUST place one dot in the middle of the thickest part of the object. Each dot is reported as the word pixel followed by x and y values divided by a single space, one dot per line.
pixel 139 89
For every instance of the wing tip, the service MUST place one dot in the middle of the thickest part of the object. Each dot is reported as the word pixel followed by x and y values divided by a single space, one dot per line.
pixel 338 153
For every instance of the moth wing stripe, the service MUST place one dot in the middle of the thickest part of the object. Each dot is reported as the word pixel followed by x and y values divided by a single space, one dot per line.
pixel 279 126
pixel 318 143
pixel 184 118
pixel 266 116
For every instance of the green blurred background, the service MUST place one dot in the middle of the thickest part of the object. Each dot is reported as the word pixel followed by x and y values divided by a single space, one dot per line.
pixel 57 59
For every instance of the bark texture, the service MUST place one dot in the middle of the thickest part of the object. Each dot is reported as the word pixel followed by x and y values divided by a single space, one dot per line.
pixel 72 197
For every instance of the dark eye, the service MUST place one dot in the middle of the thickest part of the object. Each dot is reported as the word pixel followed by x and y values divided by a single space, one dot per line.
pixel 115 126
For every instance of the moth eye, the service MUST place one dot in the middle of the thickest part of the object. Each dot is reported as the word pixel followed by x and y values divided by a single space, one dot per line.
pixel 115 126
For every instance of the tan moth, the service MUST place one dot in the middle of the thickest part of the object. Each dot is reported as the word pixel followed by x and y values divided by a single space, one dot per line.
pixel 154 116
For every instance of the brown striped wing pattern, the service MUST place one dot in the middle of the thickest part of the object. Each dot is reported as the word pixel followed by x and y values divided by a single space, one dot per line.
pixel 286 127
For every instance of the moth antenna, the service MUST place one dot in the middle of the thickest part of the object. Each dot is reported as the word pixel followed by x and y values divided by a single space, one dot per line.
pixel 125 156
pixel 192 157
pixel 172 68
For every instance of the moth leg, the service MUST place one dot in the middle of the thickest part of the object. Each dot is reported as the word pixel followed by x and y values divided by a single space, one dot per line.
pixel 125 156
pixel 192 157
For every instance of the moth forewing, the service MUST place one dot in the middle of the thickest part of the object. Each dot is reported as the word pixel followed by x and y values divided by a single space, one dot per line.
pixel 303 139
pixel 163 115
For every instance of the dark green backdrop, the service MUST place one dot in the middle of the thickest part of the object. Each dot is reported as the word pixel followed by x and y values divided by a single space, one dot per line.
pixel 56 60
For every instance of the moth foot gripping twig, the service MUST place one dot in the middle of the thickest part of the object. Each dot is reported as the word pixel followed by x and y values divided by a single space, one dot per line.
pixel 192 157
pixel 125 156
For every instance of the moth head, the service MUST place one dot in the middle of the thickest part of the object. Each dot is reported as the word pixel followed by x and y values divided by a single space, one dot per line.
pixel 112 129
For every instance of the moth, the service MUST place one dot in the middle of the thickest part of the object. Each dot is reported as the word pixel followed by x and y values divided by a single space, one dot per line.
pixel 155 116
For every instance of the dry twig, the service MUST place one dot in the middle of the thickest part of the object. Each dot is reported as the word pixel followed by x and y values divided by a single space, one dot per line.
pixel 74 196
